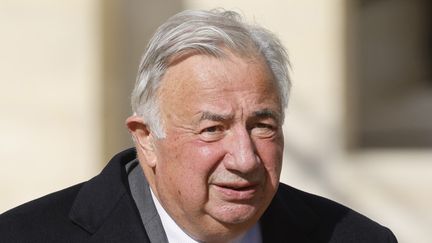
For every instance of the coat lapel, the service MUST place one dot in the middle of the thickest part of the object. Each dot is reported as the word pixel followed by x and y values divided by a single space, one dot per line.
pixel 287 219
pixel 141 194
pixel 104 207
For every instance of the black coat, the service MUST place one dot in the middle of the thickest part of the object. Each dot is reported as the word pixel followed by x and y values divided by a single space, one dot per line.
pixel 102 210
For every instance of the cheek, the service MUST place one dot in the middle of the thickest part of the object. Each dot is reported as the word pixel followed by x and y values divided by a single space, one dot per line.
pixel 271 154
pixel 194 161
pixel 204 157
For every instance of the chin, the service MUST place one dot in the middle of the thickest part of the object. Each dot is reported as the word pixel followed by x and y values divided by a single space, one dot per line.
pixel 226 222
pixel 237 214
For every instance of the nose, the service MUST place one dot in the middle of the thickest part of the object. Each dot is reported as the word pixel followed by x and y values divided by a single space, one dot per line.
pixel 242 153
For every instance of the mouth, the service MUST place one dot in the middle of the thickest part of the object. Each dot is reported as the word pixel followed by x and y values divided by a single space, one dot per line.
pixel 236 191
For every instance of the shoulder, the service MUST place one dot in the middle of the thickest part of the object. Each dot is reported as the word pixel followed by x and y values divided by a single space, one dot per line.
pixel 37 217
pixel 100 209
pixel 332 221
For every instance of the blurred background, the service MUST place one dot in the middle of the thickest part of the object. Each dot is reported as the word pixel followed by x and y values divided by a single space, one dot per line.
pixel 358 127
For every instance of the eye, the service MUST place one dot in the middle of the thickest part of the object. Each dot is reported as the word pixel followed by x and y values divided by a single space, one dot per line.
pixel 263 130
pixel 264 126
pixel 212 129
pixel 212 133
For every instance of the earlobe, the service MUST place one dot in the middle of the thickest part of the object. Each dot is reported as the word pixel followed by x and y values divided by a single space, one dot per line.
pixel 143 138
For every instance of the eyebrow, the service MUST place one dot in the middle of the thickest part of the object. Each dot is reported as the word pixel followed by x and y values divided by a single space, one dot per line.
pixel 261 114
pixel 206 115
pixel 267 113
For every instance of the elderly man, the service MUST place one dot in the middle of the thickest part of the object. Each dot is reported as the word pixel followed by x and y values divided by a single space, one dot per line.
pixel 208 108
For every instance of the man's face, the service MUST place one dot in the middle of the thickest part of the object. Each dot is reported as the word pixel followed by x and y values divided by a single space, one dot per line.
pixel 218 167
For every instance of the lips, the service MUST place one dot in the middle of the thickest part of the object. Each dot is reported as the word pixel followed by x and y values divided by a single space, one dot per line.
pixel 236 191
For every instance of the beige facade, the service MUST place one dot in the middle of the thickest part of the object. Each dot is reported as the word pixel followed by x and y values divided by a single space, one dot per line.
pixel 49 96
pixel 67 67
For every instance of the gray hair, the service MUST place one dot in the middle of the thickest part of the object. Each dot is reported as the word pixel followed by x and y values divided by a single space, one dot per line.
pixel 208 32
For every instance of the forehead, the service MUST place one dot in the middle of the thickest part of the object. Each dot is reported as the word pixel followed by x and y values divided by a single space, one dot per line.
pixel 231 86
pixel 197 73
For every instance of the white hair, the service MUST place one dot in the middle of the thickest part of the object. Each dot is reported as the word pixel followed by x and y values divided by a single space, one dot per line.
pixel 209 32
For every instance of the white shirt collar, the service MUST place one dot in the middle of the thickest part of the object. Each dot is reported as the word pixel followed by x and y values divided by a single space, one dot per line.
pixel 176 234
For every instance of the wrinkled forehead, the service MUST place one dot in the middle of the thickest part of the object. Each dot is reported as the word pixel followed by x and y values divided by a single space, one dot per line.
pixel 226 56
pixel 221 51
pixel 193 74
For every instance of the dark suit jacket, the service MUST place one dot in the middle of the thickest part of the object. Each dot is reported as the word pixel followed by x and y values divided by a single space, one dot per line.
pixel 103 210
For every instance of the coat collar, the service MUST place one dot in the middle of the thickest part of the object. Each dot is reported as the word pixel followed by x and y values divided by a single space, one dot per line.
pixel 99 196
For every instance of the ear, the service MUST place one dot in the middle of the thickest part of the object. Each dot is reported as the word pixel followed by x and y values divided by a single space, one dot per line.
pixel 144 140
